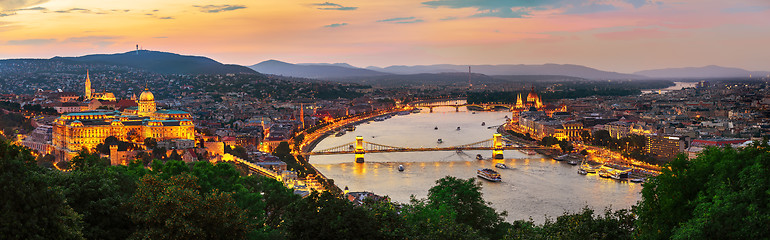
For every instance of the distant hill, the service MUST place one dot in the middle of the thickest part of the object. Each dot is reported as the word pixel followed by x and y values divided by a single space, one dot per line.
pixel 315 70
pixel 162 62
pixel 458 79
pixel 510 69
pixel 710 71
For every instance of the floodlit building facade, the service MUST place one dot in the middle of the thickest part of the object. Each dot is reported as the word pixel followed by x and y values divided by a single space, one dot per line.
pixel 75 131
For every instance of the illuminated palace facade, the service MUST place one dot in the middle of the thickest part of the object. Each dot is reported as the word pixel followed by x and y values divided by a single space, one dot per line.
pixel 75 131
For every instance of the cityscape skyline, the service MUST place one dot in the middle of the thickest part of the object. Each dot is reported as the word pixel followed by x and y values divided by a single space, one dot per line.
pixel 623 36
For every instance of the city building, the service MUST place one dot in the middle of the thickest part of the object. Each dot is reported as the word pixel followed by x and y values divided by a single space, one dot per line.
pixel 75 131
pixel 666 147
pixel 90 94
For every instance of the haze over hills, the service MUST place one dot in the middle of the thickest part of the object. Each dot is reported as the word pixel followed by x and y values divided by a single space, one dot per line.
pixel 317 71
pixel 344 70
pixel 171 63
pixel 511 69
pixel 162 62
pixel 710 71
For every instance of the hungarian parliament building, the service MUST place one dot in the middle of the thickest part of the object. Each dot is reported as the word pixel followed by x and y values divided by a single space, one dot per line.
pixel 77 130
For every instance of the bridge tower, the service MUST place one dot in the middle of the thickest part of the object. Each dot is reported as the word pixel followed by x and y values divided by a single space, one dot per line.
pixel 497 146
pixel 359 149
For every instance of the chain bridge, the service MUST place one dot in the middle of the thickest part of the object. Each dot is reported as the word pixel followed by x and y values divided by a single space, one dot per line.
pixel 359 147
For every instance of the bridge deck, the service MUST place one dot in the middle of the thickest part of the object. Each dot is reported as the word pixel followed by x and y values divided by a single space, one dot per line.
pixel 422 150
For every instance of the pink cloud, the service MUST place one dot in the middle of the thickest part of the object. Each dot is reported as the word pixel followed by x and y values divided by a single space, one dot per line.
pixel 633 34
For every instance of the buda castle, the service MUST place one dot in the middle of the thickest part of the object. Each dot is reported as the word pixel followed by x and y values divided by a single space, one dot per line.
pixel 77 130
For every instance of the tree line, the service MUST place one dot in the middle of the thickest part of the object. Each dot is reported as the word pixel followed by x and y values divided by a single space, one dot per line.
pixel 722 194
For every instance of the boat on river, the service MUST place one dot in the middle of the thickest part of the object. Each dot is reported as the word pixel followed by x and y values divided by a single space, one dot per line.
pixel 458 128
pixel 488 174
pixel 501 166
pixel 439 141
pixel 340 133
pixel 637 180
pixel 479 157
pixel 435 128
pixel 528 151
pixel 582 171
pixel 483 123
pixel 400 168
pixel 604 173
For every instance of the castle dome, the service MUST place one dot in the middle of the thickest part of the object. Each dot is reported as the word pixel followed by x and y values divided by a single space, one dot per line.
pixel 146 96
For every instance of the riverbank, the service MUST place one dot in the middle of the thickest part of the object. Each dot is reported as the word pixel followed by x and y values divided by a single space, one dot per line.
pixel 604 157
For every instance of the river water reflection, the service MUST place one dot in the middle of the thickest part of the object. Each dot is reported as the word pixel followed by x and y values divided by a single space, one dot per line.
pixel 534 186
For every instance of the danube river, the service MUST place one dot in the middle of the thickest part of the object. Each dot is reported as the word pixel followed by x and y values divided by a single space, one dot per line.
pixel 677 86
pixel 533 186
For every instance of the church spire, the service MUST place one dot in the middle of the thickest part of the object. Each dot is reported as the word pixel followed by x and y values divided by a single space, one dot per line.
pixel 88 85
pixel 519 103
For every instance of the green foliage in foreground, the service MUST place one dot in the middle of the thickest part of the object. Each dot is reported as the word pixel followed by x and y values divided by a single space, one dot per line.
pixel 723 194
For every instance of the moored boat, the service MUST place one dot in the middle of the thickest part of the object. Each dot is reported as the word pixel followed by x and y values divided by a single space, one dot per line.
pixel 604 174
pixel 573 162
pixel 637 180
pixel 488 174
pixel 479 157
pixel 582 171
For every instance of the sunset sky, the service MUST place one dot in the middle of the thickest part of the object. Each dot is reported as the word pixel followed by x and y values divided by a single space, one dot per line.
pixel 622 35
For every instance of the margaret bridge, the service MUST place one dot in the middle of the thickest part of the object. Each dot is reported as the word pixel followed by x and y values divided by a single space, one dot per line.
pixel 457 103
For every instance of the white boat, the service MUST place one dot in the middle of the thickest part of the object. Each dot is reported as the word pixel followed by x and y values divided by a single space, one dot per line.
pixel 573 162
pixel 400 168
pixel 528 151
pixel 582 171
pixel 501 166
pixel 439 141
pixel 488 174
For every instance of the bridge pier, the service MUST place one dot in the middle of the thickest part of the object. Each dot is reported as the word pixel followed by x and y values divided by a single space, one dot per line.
pixel 497 146
pixel 359 151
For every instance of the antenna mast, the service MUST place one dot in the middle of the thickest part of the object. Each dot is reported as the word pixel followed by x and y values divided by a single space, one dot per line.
pixel 470 85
